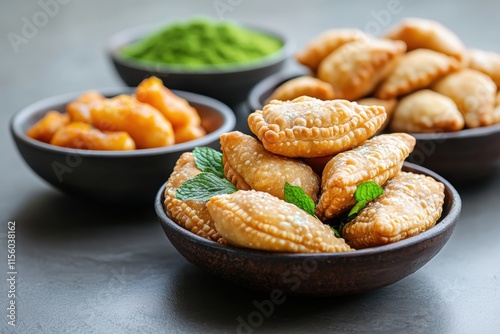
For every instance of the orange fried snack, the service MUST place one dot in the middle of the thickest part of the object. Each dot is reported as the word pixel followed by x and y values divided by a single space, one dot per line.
pixel 174 108
pixel 45 128
pixel 188 132
pixel 79 109
pixel 84 136
pixel 146 125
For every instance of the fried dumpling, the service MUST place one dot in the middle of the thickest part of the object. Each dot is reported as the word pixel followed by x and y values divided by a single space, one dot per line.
pixel 325 43
pixel 354 69
pixel 417 69
pixel 191 215
pixel 303 86
pixel 474 94
pixel 411 204
pixel 378 159
pixel 486 62
pixel 258 220
pixel 389 106
pixel 248 165
pixel 307 127
pixel 426 111
pixel 420 33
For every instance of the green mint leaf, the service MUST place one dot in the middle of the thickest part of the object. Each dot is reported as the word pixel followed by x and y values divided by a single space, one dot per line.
pixel 336 231
pixel 203 186
pixel 356 208
pixel 297 196
pixel 368 191
pixel 209 160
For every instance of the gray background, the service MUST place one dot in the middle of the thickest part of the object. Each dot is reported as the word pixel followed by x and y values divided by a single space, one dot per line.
pixel 84 268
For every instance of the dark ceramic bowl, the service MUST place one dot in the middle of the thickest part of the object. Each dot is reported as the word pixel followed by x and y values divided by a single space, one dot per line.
pixel 323 274
pixel 461 156
pixel 112 176
pixel 227 84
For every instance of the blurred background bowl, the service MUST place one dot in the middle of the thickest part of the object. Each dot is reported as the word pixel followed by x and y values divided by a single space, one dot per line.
pixel 112 176
pixel 460 157
pixel 317 274
pixel 230 85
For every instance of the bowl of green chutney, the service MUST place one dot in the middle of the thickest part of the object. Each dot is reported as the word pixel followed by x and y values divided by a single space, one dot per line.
pixel 220 59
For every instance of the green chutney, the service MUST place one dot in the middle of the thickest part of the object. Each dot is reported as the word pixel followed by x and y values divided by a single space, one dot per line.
pixel 201 43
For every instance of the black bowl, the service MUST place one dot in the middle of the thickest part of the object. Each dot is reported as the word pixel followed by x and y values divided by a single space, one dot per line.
pixel 318 274
pixel 227 84
pixel 112 176
pixel 461 156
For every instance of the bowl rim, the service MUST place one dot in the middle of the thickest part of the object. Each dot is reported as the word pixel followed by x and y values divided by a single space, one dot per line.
pixel 253 101
pixel 20 118
pixel 443 224
pixel 126 36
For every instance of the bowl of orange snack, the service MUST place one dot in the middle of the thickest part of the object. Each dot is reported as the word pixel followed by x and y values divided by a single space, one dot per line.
pixel 430 83
pixel 117 145
pixel 271 213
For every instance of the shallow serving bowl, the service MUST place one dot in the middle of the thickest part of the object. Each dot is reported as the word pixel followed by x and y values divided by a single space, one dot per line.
pixel 112 176
pixel 319 274
pixel 460 156
pixel 229 84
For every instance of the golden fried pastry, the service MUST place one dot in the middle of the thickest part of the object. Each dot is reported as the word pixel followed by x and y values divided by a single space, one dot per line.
pixel 354 69
pixel 191 215
pixel 420 33
pixel 44 129
pixel 146 125
pixel 417 69
pixel 82 135
pixel 79 109
pixel 426 111
pixel 325 43
pixel 303 86
pixel 411 204
pixel 389 106
pixel 248 165
pixel 486 62
pixel 176 109
pixel 378 160
pixel 474 94
pixel 308 127
pixel 258 220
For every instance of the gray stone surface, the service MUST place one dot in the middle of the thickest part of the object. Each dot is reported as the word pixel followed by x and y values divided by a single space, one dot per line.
pixel 83 268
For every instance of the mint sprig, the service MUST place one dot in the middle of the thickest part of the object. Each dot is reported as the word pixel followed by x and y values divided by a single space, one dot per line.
pixel 209 160
pixel 203 186
pixel 296 195
pixel 210 182
pixel 365 192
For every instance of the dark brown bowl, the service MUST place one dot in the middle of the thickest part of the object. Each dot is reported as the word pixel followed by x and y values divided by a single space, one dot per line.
pixel 323 274
pixel 460 156
pixel 112 176
pixel 227 84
